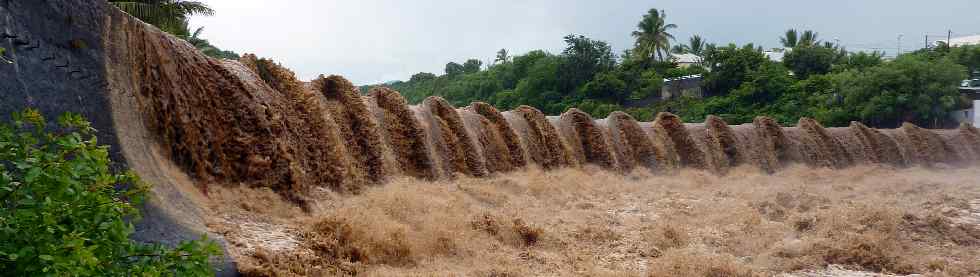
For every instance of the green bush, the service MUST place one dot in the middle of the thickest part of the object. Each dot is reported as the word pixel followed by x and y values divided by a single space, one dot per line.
pixel 63 212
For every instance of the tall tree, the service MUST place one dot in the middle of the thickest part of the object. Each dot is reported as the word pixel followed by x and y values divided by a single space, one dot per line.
pixel 582 59
pixel 472 66
pixel 653 37
pixel 680 49
pixel 168 15
pixel 453 69
pixel 806 60
pixel 809 38
pixel 790 39
pixel 696 45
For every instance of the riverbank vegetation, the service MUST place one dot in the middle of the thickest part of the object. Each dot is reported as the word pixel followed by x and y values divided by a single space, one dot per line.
pixel 815 78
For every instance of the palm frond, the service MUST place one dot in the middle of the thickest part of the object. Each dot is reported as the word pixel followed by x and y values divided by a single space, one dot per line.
pixel 197 33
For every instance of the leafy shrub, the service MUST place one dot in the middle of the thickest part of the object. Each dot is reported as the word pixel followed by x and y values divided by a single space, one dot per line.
pixel 64 212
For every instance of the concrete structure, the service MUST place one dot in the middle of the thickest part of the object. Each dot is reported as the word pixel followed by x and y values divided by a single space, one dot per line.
pixel 965 116
pixel 976 116
pixel 776 54
pixel 689 86
pixel 686 60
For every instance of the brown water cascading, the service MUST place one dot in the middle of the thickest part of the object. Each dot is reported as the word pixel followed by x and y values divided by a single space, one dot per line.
pixel 961 141
pixel 721 134
pixel 358 127
pixel 455 145
pixel 663 143
pixel 188 123
pixel 587 141
pixel 515 152
pixel 969 136
pixel 928 147
pixel 497 133
pixel 625 132
pixel 860 151
pixel 544 145
pixel 755 147
pixel 816 146
pixel 489 142
pixel 776 144
pixel 403 133
pixel 883 148
pixel 689 153
pixel 322 153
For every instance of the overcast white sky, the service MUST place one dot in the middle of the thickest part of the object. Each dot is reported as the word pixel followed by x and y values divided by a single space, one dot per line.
pixel 371 41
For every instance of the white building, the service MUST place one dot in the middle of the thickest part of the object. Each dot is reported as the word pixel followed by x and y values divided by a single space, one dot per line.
pixel 971 116
pixel 686 60
pixel 777 54
pixel 960 41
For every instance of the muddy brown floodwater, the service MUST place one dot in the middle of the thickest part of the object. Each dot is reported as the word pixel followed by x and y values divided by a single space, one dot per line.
pixel 590 222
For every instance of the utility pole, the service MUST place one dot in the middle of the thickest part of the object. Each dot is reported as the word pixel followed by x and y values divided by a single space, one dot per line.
pixel 927 41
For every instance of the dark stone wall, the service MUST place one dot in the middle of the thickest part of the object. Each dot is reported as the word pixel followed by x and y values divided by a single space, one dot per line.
pixel 59 65
pixel 58 62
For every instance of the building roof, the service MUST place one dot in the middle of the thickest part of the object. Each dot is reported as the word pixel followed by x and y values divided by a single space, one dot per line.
pixel 682 78
pixel 686 58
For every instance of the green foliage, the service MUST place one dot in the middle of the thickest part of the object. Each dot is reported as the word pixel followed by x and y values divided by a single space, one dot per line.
pixel 790 39
pixel 808 60
pixel 208 49
pixel 454 69
pixel 172 16
pixel 653 37
pixel 169 15
pixel 911 88
pixel 422 77
pixel 828 83
pixel 64 213
pixel 472 66
pixel 650 83
pixel 730 65
pixel 582 59
pixel 860 61
pixel 968 56
pixel 605 86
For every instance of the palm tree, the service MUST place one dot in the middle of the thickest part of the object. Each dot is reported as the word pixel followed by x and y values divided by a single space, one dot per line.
pixel 200 43
pixel 696 45
pixel 809 38
pixel 652 38
pixel 790 39
pixel 168 15
pixel 680 49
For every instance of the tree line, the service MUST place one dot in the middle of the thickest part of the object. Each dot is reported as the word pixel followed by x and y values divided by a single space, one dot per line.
pixel 172 16
pixel 815 78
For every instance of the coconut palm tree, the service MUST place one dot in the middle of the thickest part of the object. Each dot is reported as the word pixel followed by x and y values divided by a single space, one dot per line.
pixel 652 38
pixel 696 45
pixel 680 49
pixel 168 15
pixel 809 38
pixel 790 39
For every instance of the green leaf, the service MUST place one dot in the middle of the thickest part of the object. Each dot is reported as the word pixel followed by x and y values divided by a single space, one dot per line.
pixel 32 174
pixel 46 257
